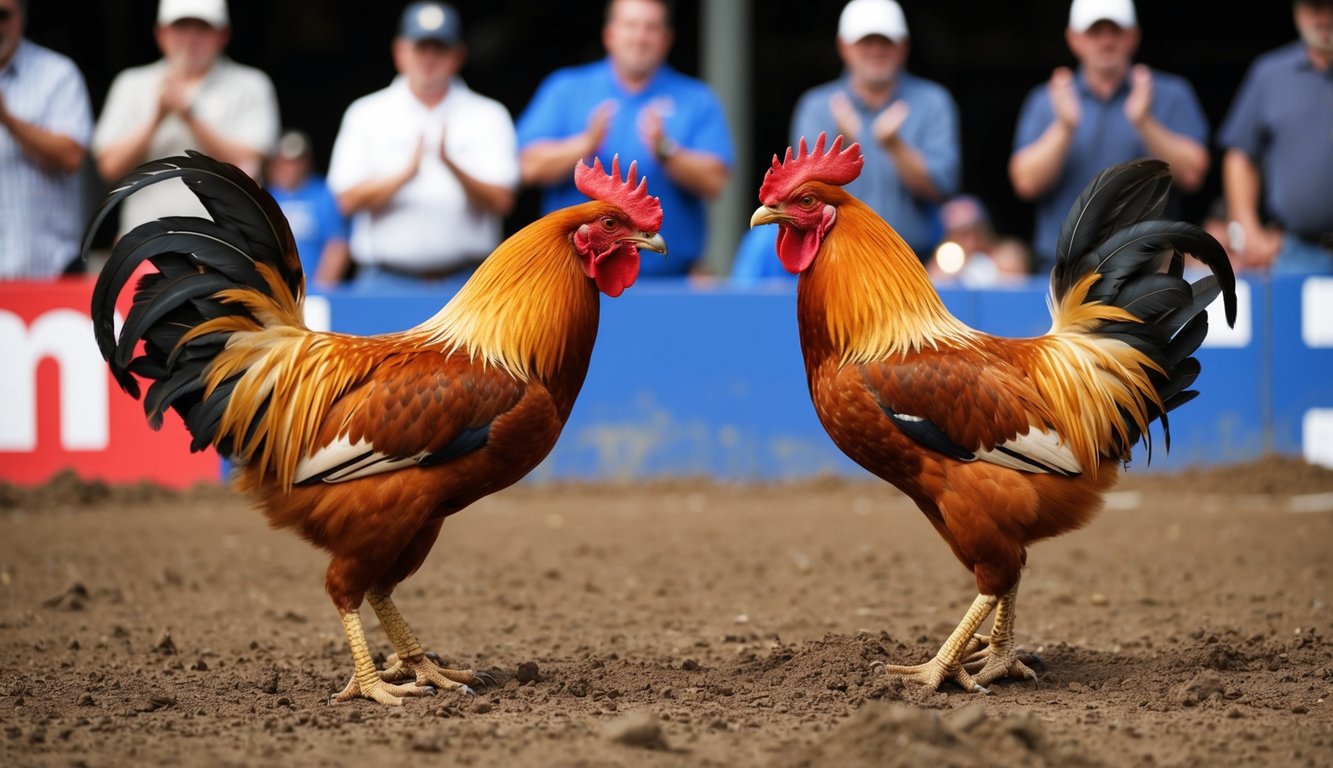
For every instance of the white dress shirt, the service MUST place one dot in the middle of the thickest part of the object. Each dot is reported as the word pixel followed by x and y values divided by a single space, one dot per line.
pixel 429 224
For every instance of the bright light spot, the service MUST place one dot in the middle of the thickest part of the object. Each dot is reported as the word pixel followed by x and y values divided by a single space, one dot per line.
pixel 950 257
pixel 1219 334
pixel 430 17
pixel 1317 312
pixel 1317 436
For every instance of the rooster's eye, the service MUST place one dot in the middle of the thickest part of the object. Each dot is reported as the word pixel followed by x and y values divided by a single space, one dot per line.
pixel 807 201
pixel 609 223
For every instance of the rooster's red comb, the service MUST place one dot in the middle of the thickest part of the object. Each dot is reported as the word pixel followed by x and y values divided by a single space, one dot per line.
pixel 838 166
pixel 644 210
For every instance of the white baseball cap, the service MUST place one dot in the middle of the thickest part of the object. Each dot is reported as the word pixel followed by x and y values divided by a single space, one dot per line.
pixel 211 12
pixel 862 18
pixel 1084 13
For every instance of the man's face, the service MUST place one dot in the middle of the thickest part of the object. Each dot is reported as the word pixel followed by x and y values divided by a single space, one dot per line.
pixel 637 37
pixel 288 172
pixel 1106 47
pixel 428 65
pixel 874 60
pixel 190 45
pixel 1314 21
pixel 11 29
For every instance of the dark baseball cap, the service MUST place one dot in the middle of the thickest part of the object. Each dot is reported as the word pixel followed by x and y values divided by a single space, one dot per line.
pixel 431 21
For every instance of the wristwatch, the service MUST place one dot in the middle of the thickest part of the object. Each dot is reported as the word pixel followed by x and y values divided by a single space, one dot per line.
pixel 1235 236
pixel 666 148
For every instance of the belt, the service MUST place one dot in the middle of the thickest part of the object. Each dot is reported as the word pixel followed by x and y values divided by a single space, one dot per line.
pixel 1318 239
pixel 441 273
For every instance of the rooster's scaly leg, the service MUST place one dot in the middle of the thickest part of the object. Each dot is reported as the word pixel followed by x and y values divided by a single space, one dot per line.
pixel 410 659
pixel 366 682
pixel 948 662
pixel 998 659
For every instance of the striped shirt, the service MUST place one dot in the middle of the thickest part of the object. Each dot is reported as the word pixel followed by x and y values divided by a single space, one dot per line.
pixel 41 211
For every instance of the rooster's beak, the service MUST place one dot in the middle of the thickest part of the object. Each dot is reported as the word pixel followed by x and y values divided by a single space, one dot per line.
pixel 767 215
pixel 653 242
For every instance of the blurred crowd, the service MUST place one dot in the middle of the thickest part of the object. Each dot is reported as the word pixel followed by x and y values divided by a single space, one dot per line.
pixel 424 171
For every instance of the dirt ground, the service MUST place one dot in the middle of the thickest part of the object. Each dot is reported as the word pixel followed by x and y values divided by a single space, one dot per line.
pixel 675 624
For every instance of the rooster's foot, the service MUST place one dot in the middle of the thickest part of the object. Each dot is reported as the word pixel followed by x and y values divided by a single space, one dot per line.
pixel 395 671
pixel 427 671
pixel 996 663
pixel 932 674
pixel 378 690
pixel 977 646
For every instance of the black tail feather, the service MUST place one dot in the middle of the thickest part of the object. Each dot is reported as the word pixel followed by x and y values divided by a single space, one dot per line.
pixel 203 418
pixel 1181 398
pixel 163 299
pixel 1183 377
pixel 163 394
pixel 1114 230
pixel 1187 339
pixel 1206 289
pixel 200 347
pixel 147 368
pixel 1118 197
pixel 231 198
pixel 1152 297
pixel 194 259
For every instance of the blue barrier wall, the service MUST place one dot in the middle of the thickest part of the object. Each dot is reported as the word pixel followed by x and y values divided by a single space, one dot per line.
pixel 1299 370
pixel 703 382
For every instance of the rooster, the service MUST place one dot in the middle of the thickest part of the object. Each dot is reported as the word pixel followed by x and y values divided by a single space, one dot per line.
pixel 364 445
pixel 1000 442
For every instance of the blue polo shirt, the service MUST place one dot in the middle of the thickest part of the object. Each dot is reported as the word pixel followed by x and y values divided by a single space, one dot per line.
pixel 757 257
pixel 1283 119
pixel 313 215
pixel 931 128
pixel 692 116
pixel 1104 137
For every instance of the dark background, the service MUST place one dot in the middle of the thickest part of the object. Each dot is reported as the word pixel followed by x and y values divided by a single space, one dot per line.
pixel 322 54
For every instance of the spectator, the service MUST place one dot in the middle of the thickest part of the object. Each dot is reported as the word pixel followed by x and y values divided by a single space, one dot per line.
pixel 1224 229
pixel 1277 171
pixel 45 125
pixel 317 225
pixel 633 104
pixel 907 125
pixel 426 168
pixel 1110 111
pixel 972 254
pixel 757 257
pixel 194 97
